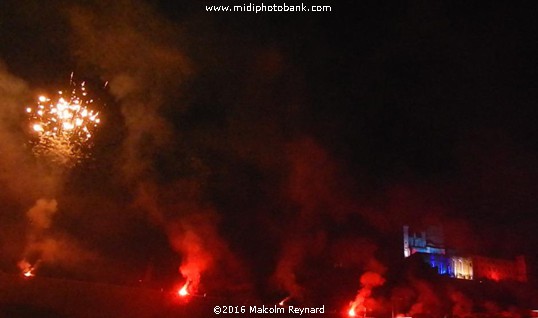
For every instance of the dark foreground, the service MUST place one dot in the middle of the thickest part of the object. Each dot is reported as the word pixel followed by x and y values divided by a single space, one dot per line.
pixel 47 297
pixel 50 297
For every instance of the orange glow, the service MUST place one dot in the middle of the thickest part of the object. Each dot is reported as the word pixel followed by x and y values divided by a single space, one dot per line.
pixel 27 268
pixel 28 273
pixel 62 126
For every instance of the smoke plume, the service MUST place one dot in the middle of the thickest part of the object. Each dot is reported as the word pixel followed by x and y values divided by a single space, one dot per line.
pixel 145 71
pixel 20 177
pixel 47 247
pixel 314 190
pixel 192 228
pixel 427 301
pixel 142 68
pixel 462 305
pixel 363 301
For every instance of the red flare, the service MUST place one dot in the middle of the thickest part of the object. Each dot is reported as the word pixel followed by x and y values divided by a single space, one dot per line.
pixel 27 269
pixel 283 301
pixel 28 273
pixel 183 292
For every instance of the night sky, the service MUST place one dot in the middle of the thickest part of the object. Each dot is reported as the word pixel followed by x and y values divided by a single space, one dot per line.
pixel 257 150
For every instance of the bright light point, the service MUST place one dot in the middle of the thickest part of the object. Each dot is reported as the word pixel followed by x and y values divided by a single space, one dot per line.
pixel 183 291
pixel 42 99
pixel 38 128
pixel 351 313
pixel 28 110
pixel 283 301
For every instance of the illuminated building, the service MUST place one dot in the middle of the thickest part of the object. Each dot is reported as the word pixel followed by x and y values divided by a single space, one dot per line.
pixel 463 267
pixel 429 242
pixel 452 266
pixel 429 245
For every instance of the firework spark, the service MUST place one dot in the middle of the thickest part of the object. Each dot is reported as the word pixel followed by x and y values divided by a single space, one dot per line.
pixel 63 125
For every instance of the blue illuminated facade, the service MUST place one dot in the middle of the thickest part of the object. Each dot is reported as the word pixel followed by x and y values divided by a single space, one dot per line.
pixel 441 263
pixel 430 246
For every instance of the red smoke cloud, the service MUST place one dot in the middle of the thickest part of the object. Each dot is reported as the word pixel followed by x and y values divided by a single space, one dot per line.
pixel 191 226
pixel 315 183
pixel 462 305
pixel 313 189
pixel 427 302
pixel 363 301
pixel 45 246
pixel 196 239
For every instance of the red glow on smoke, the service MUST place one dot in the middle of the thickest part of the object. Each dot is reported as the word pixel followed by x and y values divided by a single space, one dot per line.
pixel 493 275
pixel 369 280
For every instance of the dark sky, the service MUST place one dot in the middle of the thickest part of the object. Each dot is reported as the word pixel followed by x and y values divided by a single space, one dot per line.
pixel 272 139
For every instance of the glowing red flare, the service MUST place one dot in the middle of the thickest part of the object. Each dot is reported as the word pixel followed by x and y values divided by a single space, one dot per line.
pixel 28 273
pixel 183 291
pixel 27 268
pixel 351 312
pixel 283 301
